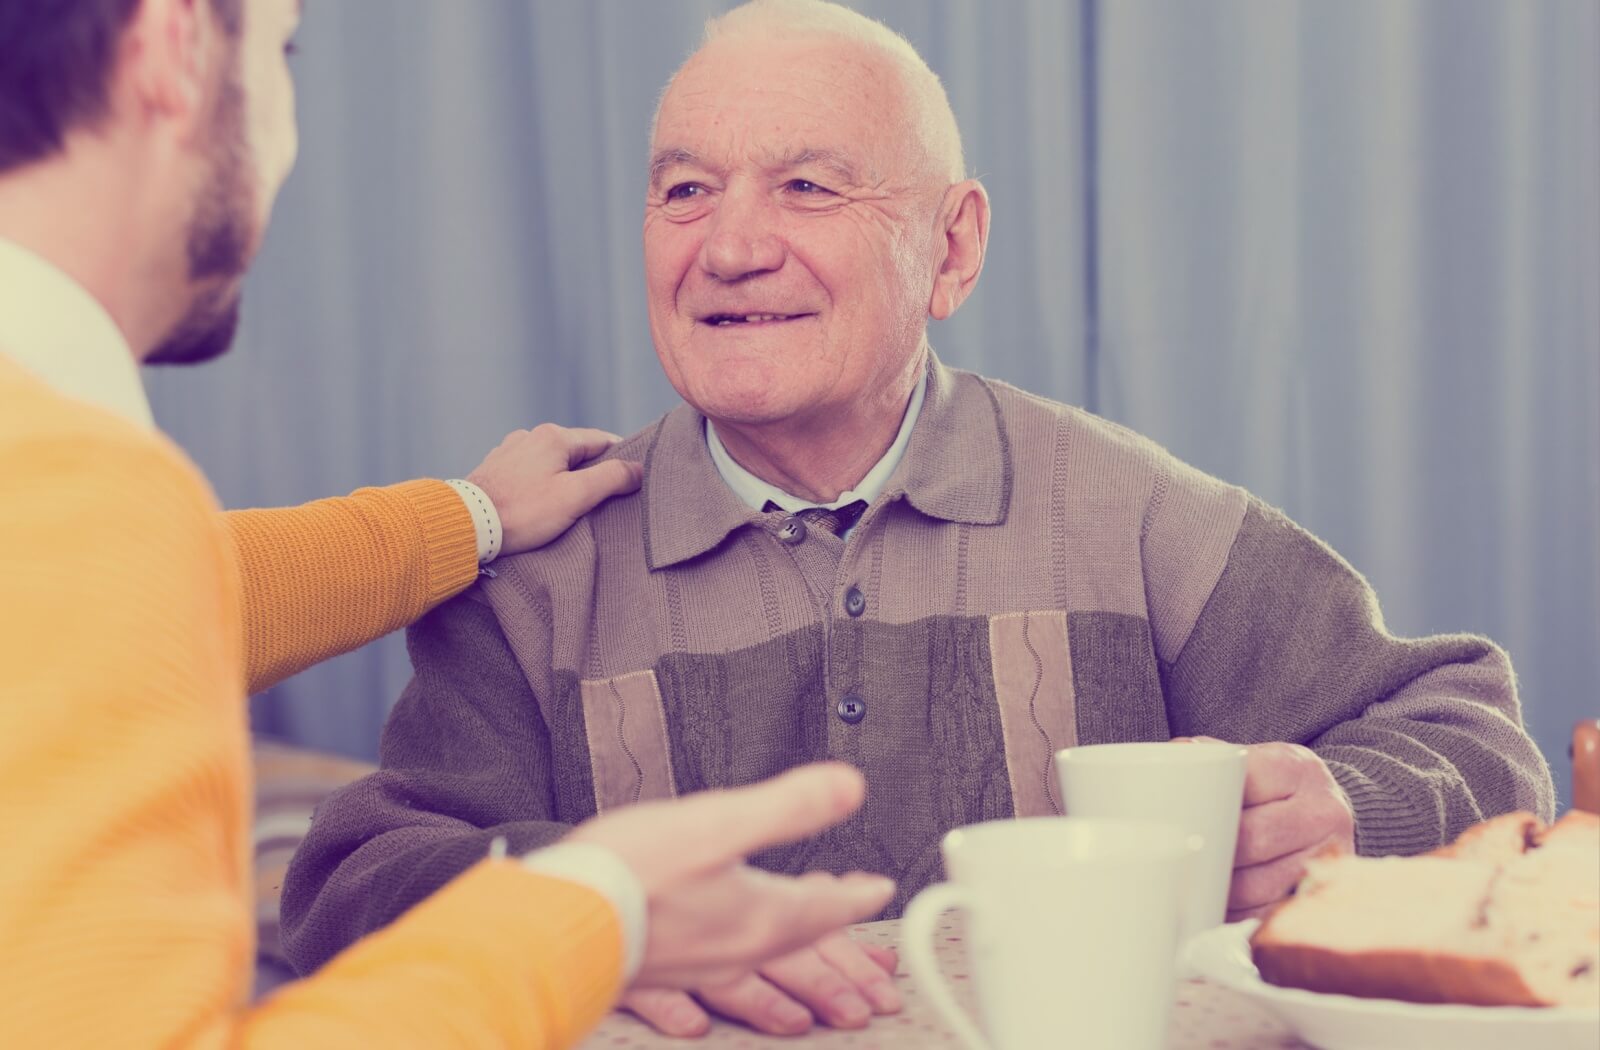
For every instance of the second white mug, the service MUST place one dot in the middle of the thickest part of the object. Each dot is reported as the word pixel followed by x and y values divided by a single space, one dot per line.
pixel 1195 786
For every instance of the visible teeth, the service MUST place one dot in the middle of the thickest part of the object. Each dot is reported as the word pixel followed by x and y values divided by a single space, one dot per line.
pixel 750 319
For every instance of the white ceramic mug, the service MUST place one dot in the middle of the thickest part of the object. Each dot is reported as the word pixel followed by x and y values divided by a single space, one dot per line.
pixel 1072 931
pixel 1196 786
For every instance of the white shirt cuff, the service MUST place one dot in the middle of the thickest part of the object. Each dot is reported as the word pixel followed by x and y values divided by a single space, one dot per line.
pixel 485 519
pixel 604 872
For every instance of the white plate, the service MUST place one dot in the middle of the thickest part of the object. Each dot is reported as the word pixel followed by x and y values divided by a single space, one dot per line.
pixel 1343 1022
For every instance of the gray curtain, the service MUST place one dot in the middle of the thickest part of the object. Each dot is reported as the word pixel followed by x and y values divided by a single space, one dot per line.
pixel 1345 253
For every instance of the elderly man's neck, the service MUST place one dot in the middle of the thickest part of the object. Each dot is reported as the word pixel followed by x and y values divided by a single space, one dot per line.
pixel 824 454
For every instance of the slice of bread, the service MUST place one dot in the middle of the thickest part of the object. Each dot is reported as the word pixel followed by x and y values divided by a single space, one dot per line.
pixel 1507 915
pixel 1577 827
pixel 1499 839
pixel 1547 905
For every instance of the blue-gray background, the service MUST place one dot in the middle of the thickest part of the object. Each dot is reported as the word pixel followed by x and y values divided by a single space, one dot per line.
pixel 1343 252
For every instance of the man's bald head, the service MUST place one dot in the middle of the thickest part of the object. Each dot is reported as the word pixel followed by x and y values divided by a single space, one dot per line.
pixel 806 216
pixel 928 118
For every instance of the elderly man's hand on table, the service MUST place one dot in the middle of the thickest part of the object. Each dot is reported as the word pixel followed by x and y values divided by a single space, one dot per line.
pixel 837 981
pixel 1293 808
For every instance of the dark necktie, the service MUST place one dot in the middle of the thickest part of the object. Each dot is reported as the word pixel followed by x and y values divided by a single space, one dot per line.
pixel 837 521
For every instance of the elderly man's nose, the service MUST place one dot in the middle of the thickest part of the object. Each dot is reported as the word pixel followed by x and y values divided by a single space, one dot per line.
pixel 741 242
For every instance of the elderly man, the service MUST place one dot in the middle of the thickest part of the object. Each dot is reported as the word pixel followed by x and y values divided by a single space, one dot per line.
pixel 843 548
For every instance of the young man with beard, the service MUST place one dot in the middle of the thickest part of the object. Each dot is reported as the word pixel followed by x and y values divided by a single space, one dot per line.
pixel 141 145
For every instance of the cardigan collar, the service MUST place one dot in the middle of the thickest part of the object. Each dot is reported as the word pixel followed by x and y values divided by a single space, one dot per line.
pixel 957 467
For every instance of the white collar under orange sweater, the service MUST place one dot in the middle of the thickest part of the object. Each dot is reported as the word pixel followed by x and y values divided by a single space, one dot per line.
pixel 53 327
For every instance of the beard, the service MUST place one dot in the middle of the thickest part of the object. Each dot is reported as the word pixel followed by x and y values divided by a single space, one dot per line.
pixel 205 332
pixel 219 241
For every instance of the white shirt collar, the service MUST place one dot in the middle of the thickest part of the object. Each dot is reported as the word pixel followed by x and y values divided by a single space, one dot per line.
pixel 756 492
pixel 53 327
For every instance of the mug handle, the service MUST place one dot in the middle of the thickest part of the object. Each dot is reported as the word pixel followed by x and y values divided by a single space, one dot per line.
pixel 916 940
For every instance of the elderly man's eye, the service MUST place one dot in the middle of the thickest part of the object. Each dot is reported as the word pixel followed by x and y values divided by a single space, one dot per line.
pixel 291 49
pixel 684 191
pixel 807 186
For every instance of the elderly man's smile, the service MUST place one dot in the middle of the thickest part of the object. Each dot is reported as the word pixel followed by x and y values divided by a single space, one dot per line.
pixel 751 320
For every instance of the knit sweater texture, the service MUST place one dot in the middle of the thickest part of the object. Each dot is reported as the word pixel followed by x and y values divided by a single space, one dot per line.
pixel 327 577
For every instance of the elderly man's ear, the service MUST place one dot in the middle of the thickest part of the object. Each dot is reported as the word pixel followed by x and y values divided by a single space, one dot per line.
pixel 963 225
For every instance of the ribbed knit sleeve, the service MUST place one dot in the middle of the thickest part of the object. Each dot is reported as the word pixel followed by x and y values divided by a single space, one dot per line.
pixel 125 795
pixel 330 576
pixel 1425 735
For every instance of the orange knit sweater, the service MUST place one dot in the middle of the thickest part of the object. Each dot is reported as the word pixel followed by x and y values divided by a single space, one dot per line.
pixel 324 578
pixel 124 775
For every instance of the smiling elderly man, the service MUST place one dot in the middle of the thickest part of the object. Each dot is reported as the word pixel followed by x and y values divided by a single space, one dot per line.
pixel 843 549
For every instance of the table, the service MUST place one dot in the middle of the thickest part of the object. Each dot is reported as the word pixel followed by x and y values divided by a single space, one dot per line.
pixel 1205 1017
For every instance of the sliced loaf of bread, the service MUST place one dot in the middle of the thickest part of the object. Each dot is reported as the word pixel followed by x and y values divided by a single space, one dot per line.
pixel 1507 915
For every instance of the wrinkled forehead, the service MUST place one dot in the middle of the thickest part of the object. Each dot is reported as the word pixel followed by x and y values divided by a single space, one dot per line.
pixel 740 102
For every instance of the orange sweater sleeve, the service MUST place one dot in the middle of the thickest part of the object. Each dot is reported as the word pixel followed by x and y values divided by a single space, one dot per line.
pixel 125 795
pixel 330 576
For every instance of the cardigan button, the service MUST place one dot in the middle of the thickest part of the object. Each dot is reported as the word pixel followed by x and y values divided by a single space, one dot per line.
pixel 855 603
pixel 792 531
pixel 852 709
